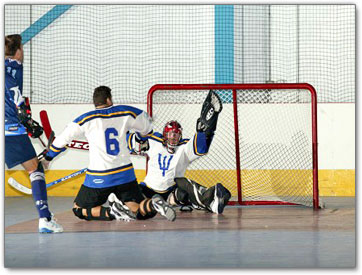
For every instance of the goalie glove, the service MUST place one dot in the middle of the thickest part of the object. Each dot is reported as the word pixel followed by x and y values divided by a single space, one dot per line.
pixel 141 144
pixel 210 111
pixel 32 127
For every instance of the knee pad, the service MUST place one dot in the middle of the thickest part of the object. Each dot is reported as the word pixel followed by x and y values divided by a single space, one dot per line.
pixel 148 214
pixel 103 217
pixel 139 216
pixel 78 213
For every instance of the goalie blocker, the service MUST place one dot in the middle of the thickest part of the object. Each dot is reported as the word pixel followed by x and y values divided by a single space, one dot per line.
pixel 210 111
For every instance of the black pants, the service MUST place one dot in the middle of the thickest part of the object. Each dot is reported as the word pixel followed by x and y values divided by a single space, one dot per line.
pixel 91 197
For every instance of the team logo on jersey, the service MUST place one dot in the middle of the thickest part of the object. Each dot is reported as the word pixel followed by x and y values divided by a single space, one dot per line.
pixel 13 128
pixel 163 166
pixel 98 181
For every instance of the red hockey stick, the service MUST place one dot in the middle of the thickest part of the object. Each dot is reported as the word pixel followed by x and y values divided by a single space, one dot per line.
pixel 75 144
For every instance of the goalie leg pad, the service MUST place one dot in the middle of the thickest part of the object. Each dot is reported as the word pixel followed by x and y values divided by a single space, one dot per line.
pixel 181 197
pixel 194 190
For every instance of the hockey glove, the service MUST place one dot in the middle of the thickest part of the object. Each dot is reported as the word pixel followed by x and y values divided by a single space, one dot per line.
pixel 142 144
pixel 32 127
pixel 211 108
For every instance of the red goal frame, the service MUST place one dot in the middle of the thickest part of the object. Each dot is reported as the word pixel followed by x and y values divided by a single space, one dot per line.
pixel 234 87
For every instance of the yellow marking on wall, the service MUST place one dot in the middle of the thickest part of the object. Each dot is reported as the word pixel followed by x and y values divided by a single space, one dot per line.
pixel 68 188
pixel 266 182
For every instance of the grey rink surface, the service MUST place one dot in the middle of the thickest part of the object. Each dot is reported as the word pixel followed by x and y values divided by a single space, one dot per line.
pixel 176 249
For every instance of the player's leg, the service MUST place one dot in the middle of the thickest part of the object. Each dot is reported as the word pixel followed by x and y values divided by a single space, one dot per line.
pixel 213 199
pixel 190 192
pixel 179 197
pixel 149 193
pixel 88 204
pixel 159 201
pixel 144 208
pixel 221 197
pixel 19 150
pixel 146 191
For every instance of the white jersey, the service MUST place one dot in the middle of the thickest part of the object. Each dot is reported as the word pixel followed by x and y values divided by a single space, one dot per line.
pixel 105 130
pixel 163 166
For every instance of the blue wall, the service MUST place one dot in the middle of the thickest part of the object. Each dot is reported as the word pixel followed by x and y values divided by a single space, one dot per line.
pixel 224 44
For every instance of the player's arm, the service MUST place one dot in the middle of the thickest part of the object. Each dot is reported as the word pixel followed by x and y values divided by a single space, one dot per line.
pixel 207 121
pixel 72 131
pixel 196 147
pixel 205 127
pixel 13 84
pixel 32 127
pixel 135 144
pixel 142 126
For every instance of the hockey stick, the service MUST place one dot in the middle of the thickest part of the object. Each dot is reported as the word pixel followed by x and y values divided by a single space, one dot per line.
pixel 75 144
pixel 42 142
pixel 18 186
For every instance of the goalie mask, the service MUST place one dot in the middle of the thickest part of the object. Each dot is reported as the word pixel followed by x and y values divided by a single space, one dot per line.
pixel 172 134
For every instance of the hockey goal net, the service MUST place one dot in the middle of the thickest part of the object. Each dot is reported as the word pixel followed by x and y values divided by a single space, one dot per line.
pixel 265 145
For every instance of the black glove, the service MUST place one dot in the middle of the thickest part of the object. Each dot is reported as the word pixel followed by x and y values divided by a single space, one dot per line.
pixel 210 111
pixel 32 127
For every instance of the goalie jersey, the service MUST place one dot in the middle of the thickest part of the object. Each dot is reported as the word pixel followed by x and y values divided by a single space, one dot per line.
pixel 163 166
pixel 106 130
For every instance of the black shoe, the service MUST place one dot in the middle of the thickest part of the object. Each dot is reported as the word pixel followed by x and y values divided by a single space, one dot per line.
pixel 221 198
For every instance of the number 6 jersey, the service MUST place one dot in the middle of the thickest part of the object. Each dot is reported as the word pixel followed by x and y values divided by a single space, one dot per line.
pixel 106 130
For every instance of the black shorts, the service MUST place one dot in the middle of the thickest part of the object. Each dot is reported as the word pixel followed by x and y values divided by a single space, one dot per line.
pixel 91 197
pixel 18 149
pixel 148 192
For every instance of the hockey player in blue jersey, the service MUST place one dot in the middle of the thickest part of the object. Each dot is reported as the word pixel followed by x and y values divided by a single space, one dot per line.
pixel 18 126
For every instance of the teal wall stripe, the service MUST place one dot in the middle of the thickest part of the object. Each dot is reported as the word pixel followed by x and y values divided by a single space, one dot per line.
pixel 43 22
pixel 224 44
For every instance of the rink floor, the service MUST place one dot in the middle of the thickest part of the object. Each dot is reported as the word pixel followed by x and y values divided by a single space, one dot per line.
pixel 242 237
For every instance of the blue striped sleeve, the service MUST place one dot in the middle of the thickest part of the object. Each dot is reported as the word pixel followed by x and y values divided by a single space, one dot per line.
pixel 54 151
pixel 199 144
pixel 156 136
pixel 129 141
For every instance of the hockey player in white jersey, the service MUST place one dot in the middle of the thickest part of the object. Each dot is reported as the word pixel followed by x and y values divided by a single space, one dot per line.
pixel 110 174
pixel 169 156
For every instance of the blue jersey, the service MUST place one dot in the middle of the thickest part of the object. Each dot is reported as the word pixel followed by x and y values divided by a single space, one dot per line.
pixel 13 97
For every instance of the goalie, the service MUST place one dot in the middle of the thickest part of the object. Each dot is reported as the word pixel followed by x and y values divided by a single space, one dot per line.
pixel 169 156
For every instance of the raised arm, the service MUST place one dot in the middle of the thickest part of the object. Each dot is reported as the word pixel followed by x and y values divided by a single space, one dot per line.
pixel 205 127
